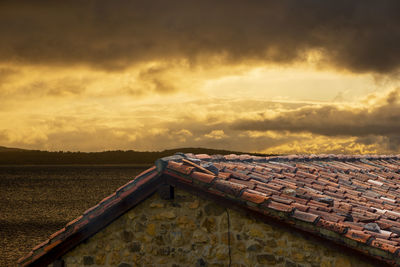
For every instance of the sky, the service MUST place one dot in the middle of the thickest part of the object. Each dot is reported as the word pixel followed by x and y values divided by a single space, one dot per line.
pixel 255 76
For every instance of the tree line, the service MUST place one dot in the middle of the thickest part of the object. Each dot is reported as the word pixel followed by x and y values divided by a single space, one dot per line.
pixel 16 156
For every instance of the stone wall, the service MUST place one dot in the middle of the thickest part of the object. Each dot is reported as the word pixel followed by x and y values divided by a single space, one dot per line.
pixel 191 231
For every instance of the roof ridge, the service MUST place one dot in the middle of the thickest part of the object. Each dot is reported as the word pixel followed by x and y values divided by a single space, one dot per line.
pixel 293 157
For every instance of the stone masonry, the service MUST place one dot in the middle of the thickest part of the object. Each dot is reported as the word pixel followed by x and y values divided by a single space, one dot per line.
pixel 192 231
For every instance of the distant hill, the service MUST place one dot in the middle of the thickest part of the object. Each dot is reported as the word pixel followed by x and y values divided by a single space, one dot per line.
pixel 15 156
pixel 8 149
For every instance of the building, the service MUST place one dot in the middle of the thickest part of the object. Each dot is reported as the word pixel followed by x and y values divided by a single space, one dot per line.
pixel 240 210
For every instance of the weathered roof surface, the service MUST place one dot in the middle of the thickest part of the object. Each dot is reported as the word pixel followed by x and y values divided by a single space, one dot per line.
pixel 350 200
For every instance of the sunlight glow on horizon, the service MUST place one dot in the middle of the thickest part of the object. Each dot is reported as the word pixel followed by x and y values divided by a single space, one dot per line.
pixel 61 108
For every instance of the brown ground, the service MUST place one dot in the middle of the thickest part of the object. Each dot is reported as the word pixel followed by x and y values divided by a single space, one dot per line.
pixel 35 201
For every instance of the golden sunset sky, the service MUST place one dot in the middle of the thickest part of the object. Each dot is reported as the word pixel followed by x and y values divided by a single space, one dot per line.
pixel 258 76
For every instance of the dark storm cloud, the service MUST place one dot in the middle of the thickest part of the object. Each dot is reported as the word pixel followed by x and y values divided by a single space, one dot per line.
pixel 6 74
pixel 366 123
pixel 153 77
pixel 384 143
pixel 360 36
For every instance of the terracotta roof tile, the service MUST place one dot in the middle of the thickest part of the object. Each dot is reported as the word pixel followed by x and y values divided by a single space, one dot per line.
pixel 186 179
pixel 358 236
pixel 26 257
pixel 384 246
pixel 390 242
pixel 249 184
pixel 397 239
pixel 354 225
pixel 224 175
pixel 180 167
pixel 58 233
pixel 317 204
pixel 254 196
pixel 326 215
pixel 77 219
pixel 203 157
pixel 41 244
pixel 231 157
pixel 382 234
pixel 238 175
pixel 228 187
pixel 340 228
pixel 52 245
pixel 300 207
pixel 280 207
pixel 283 200
pixel 205 168
pixel 203 177
pixel 259 177
pixel 296 199
pixel 304 216
pixel 273 186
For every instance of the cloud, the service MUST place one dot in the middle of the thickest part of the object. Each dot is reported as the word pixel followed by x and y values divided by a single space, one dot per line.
pixel 3 136
pixel 155 78
pixel 216 134
pixel 6 74
pixel 358 36
pixel 100 138
pixel 377 123
pixel 213 123
pixel 390 143
pixel 333 120
pixel 59 87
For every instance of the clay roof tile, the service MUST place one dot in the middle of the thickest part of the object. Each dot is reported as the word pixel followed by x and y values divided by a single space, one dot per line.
pixel 228 187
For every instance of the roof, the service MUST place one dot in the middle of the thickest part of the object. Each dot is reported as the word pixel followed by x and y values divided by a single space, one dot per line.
pixel 350 200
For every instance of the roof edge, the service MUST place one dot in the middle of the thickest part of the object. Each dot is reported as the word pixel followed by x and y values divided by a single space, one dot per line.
pixel 94 219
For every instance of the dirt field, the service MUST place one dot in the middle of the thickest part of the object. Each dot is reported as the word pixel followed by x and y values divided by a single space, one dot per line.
pixel 35 201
